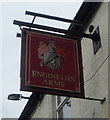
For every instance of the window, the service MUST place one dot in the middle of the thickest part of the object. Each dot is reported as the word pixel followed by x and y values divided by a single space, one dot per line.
pixel 96 40
pixel 63 107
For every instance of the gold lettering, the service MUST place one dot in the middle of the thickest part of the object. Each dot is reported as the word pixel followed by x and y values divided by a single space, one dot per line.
pixel 56 83
pixel 52 76
pixel 33 73
pixel 51 82
pixel 45 82
pixel 44 75
pixel 37 74
pixel 57 77
pixel 62 84
pixel 48 75
pixel 72 78
pixel 61 77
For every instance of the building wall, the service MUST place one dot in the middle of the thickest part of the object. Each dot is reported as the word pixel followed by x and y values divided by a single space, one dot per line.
pixel 95 71
pixel 1 63
pixel 47 108
pixel 95 76
pixel 109 58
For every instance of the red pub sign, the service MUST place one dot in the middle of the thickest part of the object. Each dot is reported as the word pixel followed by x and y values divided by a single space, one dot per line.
pixel 51 64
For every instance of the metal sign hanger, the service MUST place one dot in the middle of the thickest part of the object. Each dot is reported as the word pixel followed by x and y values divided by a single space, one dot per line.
pixel 95 36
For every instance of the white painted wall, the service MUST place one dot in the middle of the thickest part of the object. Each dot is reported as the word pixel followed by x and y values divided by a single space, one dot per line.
pixel 46 109
pixel 96 66
pixel 109 58
pixel 0 63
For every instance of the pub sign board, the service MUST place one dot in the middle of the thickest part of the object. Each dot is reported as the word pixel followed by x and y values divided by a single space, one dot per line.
pixel 51 64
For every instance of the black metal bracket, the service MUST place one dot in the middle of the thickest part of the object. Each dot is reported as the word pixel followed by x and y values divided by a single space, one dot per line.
pixel 54 18
pixel 66 101
pixel 95 36
pixel 96 99
pixel 18 35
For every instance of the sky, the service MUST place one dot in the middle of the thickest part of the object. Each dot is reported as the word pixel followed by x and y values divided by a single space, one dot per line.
pixel 10 45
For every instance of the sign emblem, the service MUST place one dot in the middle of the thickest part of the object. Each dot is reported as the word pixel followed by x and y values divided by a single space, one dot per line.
pixel 51 56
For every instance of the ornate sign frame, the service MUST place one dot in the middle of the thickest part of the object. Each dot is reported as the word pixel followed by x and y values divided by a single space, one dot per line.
pixel 51 64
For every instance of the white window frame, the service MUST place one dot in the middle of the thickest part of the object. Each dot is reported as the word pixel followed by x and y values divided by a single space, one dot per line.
pixel 61 105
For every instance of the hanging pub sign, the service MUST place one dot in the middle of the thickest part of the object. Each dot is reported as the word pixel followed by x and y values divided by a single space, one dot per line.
pixel 51 64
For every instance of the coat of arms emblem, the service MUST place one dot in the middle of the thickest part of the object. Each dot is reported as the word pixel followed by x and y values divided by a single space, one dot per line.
pixel 50 55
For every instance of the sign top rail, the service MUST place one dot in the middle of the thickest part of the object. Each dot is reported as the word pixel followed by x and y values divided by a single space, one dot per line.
pixel 54 18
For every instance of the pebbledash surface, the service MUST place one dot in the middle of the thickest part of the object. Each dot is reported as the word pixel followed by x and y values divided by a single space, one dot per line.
pixel 51 64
